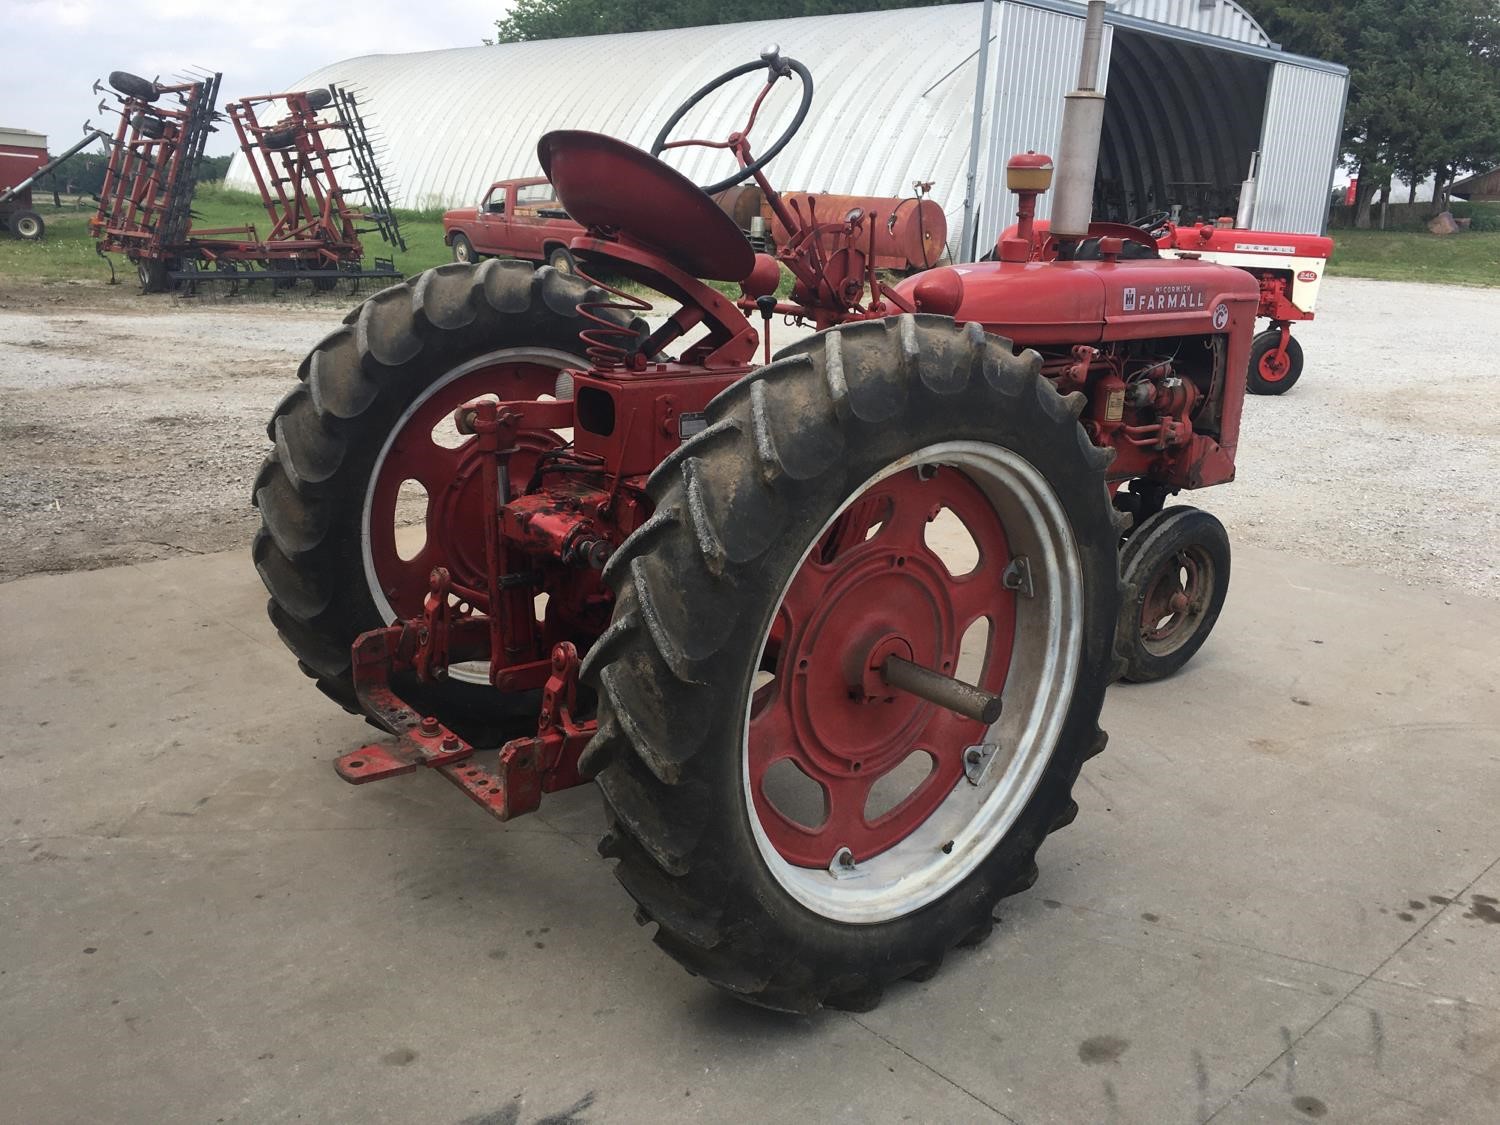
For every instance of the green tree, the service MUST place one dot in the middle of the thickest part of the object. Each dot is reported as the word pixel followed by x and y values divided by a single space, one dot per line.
pixel 1424 82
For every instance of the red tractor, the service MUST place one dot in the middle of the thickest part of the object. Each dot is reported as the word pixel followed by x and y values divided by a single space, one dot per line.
pixel 1288 268
pixel 831 630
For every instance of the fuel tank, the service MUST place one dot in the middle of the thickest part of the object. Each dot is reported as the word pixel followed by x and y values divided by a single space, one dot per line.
pixel 1038 303
pixel 910 234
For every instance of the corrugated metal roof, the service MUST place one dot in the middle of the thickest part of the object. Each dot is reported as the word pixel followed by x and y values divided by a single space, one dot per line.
pixel 1219 18
pixel 893 96
pixel 456 120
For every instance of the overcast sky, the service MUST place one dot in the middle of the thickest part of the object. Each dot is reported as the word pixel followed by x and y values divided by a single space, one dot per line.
pixel 52 50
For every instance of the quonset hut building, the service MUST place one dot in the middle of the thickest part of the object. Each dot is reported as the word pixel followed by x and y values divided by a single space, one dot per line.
pixel 1195 88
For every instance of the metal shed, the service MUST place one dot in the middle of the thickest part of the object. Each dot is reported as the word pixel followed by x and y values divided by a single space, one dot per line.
pixel 1195 88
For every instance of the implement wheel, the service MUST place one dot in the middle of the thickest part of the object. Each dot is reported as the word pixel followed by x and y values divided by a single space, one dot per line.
pixel 133 85
pixel 370 486
pixel 1273 371
pixel 802 831
pixel 1176 565
pixel 27 226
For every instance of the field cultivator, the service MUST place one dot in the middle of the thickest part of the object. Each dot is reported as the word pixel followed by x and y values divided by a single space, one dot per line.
pixel 145 204
pixel 831 628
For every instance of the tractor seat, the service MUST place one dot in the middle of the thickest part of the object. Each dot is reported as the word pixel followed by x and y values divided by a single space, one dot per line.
pixel 611 187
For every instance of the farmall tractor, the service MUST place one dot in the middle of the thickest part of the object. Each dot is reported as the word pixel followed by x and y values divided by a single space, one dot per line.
pixel 1287 268
pixel 831 630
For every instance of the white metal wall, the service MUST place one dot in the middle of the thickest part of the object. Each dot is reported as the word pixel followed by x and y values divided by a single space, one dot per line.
pixel 1300 144
pixel 1036 64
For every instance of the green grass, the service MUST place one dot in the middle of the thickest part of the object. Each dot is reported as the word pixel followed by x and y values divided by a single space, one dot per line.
pixel 67 251
pixel 1466 258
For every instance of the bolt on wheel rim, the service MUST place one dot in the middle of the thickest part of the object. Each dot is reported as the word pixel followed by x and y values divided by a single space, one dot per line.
pixel 399 556
pixel 872 586
pixel 1177 597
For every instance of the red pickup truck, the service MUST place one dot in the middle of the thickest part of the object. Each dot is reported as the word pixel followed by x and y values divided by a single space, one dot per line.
pixel 515 219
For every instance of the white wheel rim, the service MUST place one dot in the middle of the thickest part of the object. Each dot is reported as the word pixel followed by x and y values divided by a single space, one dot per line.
pixel 1044 668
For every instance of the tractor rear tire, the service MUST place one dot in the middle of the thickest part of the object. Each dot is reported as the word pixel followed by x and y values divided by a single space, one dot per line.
pixel 27 226
pixel 1180 551
pixel 133 86
pixel 357 387
pixel 739 510
pixel 1267 376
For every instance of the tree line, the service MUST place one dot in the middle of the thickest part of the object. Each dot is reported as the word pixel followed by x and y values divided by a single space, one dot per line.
pixel 1424 75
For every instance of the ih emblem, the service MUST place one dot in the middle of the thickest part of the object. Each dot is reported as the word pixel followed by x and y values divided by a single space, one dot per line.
pixel 1221 318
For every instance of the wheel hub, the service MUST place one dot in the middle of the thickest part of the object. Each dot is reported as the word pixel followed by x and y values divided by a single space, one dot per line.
pixel 889 838
pixel 873 588
pixel 423 447
pixel 1175 600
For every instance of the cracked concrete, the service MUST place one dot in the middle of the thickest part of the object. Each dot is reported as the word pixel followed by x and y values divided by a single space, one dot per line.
pixel 1278 902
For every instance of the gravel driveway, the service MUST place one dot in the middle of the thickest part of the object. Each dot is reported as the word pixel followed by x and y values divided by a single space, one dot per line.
pixel 131 428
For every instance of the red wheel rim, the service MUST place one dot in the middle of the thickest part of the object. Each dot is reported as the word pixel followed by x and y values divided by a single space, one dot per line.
pixel 1274 365
pixel 451 477
pixel 872 587
pixel 1176 599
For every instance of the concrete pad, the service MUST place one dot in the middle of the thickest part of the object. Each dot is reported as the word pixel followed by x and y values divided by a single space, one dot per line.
pixel 1277 904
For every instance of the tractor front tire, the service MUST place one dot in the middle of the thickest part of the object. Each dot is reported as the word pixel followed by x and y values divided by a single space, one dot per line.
pixel 1176 567
pixel 1271 371
pixel 398 366
pixel 848 426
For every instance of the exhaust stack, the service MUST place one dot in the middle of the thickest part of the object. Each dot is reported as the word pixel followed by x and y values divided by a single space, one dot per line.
pixel 1083 124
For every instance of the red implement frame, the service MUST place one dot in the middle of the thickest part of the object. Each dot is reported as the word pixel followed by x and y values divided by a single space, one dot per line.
pixel 146 198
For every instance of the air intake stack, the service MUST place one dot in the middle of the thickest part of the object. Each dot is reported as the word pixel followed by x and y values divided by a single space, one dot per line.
pixel 1083 124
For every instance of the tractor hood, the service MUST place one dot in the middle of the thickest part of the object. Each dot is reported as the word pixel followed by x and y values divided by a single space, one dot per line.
pixel 1036 303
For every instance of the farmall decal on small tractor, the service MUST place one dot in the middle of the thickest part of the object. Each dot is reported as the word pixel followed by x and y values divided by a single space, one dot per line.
pixel 831 630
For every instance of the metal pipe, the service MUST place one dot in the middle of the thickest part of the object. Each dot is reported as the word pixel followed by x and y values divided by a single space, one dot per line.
pixel 1093 43
pixel 966 237
pixel 1082 126
pixel 965 699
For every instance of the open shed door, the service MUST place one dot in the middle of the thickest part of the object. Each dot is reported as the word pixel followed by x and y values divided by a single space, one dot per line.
pixel 1299 148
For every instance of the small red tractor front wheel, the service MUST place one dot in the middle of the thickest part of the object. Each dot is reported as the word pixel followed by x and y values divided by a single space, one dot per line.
pixel 1176 569
pixel 857 660
pixel 1273 370
pixel 370 486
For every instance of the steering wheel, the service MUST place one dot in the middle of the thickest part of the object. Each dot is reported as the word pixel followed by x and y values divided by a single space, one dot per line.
pixel 739 143
pixel 1152 221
